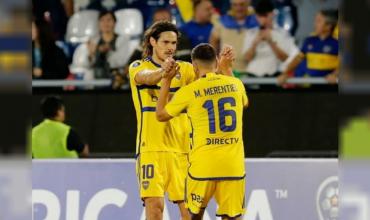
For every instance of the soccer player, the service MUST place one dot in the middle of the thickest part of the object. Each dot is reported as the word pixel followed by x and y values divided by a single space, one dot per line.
pixel 162 147
pixel 214 104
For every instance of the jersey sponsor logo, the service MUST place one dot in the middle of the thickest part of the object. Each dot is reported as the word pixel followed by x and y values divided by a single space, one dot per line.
pixel 196 198
pixel 310 47
pixel 216 141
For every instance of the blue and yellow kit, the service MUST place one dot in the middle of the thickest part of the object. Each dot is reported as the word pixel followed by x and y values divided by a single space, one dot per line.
pixel 214 105
pixel 162 147
pixel 153 135
pixel 321 55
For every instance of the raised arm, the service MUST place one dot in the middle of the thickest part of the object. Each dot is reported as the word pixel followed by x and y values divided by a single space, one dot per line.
pixel 226 58
pixel 149 77
pixel 161 113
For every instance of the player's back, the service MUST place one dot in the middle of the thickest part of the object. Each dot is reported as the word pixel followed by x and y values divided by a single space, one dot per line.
pixel 216 114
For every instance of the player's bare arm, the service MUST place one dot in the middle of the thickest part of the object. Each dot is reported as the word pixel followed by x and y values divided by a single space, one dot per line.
pixel 171 71
pixel 226 58
pixel 149 77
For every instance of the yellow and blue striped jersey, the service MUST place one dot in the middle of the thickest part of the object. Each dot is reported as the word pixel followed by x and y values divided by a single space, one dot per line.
pixel 153 135
pixel 214 105
pixel 321 55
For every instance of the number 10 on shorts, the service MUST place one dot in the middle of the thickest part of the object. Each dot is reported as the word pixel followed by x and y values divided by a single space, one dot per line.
pixel 148 171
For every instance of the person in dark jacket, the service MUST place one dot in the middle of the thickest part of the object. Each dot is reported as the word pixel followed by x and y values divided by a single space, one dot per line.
pixel 48 60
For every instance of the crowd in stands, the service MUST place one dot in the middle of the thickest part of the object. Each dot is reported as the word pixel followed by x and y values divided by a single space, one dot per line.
pixel 263 41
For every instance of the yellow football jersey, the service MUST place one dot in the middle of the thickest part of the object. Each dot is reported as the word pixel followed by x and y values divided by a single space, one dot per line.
pixel 152 135
pixel 214 105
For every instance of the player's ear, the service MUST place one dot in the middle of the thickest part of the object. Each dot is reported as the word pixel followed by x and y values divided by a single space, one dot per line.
pixel 152 41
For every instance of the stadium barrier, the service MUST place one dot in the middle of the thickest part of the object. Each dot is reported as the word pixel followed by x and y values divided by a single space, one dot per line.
pixel 106 189
pixel 107 82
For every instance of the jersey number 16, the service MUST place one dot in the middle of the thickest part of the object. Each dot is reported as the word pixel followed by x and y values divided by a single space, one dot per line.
pixel 223 113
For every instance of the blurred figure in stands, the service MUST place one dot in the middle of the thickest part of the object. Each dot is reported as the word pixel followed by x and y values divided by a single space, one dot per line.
pixel 108 52
pixel 199 28
pixel 320 51
pixel 54 139
pixel 48 60
pixel 231 29
pixel 268 46
pixel 53 11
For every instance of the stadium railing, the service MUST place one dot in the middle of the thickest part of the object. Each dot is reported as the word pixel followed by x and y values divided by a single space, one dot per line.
pixel 107 82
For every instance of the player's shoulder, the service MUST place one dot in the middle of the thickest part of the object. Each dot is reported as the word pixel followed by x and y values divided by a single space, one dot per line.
pixel 234 80
pixel 184 63
pixel 136 64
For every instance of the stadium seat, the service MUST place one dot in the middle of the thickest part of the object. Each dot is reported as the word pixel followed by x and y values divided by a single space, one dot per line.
pixel 130 22
pixel 80 66
pixel 82 26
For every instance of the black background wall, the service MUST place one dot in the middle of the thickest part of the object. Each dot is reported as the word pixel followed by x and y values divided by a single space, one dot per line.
pixel 275 121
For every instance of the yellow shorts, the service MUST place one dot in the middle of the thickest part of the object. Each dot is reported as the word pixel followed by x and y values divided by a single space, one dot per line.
pixel 229 196
pixel 162 172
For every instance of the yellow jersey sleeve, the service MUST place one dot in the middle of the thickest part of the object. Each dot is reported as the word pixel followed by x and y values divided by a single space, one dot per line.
pixel 134 68
pixel 245 97
pixel 179 102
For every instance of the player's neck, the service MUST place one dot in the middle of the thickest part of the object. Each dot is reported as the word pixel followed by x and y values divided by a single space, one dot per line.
pixel 157 60
pixel 203 72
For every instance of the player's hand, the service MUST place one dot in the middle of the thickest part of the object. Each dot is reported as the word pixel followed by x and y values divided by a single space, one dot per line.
pixel 332 78
pixel 226 58
pixel 168 65
pixel 282 79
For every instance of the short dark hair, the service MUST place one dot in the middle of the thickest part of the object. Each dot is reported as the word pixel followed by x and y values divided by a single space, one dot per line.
pixel 106 12
pixel 204 52
pixel 331 17
pixel 155 31
pixel 50 106
pixel 263 7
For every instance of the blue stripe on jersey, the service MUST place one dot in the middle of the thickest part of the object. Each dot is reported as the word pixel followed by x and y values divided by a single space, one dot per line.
pixel 148 109
pixel 141 120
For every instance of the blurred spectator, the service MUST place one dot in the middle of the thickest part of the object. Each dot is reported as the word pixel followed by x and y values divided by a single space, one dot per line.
pixel 268 46
pixel 54 12
pixel 199 28
pixel 108 52
pixel 54 139
pixel 231 29
pixel 320 51
pixel 183 48
pixel 287 15
pixel 48 61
